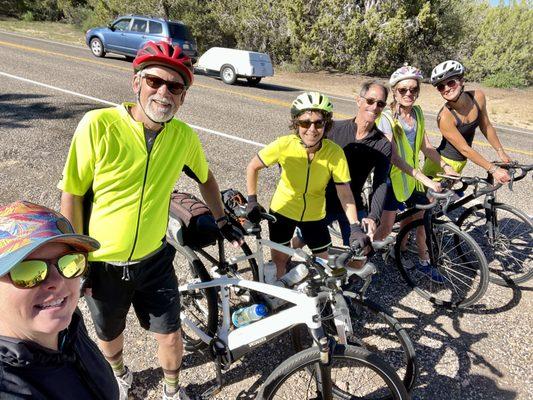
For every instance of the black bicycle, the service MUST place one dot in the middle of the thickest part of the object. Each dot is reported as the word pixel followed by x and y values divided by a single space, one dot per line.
pixel 504 233
pixel 457 273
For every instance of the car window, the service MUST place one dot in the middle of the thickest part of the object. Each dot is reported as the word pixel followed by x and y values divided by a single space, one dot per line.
pixel 139 25
pixel 122 24
pixel 155 27
pixel 179 31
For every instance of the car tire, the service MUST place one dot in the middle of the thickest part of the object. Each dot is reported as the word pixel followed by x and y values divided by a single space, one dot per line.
pixel 97 48
pixel 129 58
pixel 227 74
pixel 253 80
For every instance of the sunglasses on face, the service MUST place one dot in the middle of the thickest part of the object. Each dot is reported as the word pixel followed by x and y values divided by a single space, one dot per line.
pixel 306 123
pixel 451 84
pixel 156 82
pixel 31 273
pixel 403 91
pixel 380 103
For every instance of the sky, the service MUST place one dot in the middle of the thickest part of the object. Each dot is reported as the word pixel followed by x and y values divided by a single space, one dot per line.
pixel 496 2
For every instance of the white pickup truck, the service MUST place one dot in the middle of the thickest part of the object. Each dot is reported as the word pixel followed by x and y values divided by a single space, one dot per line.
pixel 231 64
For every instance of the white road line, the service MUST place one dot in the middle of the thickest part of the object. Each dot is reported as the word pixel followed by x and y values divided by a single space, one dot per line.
pixel 43 40
pixel 522 131
pixel 58 89
pixel 207 130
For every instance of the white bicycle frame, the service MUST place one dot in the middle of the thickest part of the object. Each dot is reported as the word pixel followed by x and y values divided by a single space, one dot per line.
pixel 306 310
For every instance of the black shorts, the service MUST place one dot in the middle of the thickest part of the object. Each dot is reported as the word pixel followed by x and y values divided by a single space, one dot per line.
pixel 392 204
pixel 152 289
pixel 315 233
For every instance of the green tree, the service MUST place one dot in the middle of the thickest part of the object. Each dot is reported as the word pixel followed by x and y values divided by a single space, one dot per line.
pixel 504 55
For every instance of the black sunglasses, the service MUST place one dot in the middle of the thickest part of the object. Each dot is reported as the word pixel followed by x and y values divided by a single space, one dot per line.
pixel 156 82
pixel 403 91
pixel 450 83
pixel 380 103
pixel 306 123
pixel 30 273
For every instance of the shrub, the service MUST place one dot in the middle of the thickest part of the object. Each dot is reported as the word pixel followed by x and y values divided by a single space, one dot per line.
pixel 504 80
pixel 28 16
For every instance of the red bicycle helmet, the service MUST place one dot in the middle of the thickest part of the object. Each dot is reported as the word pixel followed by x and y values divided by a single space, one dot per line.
pixel 161 53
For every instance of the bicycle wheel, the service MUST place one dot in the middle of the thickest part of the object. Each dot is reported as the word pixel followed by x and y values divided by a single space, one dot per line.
pixel 355 373
pixel 201 305
pixel 508 247
pixel 458 276
pixel 375 331
pixel 381 333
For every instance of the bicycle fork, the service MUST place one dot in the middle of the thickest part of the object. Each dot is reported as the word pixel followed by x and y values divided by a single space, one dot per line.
pixel 323 372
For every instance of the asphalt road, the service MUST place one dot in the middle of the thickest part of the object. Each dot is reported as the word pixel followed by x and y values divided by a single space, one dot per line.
pixel 46 89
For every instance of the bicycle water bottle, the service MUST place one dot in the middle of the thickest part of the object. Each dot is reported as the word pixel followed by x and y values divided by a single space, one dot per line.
pixel 295 275
pixel 247 315
pixel 269 272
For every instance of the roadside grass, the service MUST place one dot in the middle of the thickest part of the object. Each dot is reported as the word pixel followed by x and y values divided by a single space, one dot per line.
pixel 61 32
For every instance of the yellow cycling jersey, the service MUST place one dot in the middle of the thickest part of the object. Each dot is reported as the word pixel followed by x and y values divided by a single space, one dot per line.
pixel 131 186
pixel 301 191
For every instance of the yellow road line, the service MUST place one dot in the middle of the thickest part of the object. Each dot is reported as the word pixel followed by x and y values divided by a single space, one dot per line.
pixel 262 99
pixel 483 144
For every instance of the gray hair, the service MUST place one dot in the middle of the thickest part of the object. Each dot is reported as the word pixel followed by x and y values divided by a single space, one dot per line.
pixel 368 84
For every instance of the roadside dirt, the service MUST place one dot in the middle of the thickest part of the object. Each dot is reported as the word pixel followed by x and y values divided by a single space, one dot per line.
pixel 513 107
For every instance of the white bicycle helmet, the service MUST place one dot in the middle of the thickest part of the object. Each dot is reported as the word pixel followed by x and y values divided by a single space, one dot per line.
pixel 311 101
pixel 446 70
pixel 405 72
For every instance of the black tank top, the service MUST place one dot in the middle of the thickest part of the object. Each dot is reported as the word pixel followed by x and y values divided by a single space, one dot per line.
pixel 467 130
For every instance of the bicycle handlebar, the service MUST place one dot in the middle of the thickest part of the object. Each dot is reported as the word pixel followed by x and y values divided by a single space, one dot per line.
pixel 241 212
pixel 512 167
pixel 346 254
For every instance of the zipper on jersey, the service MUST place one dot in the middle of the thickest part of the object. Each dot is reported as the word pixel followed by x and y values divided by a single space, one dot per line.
pixel 306 185
pixel 142 198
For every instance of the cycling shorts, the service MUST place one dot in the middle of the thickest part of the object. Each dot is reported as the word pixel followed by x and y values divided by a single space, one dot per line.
pixel 392 204
pixel 431 169
pixel 152 288
pixel 314 233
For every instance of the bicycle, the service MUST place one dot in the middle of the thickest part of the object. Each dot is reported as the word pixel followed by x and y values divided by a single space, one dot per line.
pixel 325 371
pixel 375 329
pixel 503 232
pixel 458 273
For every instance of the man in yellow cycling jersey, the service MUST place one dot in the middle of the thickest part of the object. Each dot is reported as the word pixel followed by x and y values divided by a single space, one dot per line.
pixel 130 157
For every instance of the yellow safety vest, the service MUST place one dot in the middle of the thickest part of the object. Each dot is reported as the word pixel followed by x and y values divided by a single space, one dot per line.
pixel 402 183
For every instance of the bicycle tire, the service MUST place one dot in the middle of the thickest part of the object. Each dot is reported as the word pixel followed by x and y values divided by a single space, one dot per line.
pixel 201 304
pixel 459 261
pixel 376 331
pixel 508 255
pixel 366 369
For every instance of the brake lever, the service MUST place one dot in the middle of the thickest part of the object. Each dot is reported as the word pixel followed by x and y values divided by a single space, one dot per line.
pixel 511 174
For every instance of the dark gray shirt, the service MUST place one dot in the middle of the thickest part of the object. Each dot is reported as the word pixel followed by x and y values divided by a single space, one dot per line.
pixel 372 152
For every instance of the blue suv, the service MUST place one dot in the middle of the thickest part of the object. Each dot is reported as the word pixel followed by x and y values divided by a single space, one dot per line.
pixel 129 33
